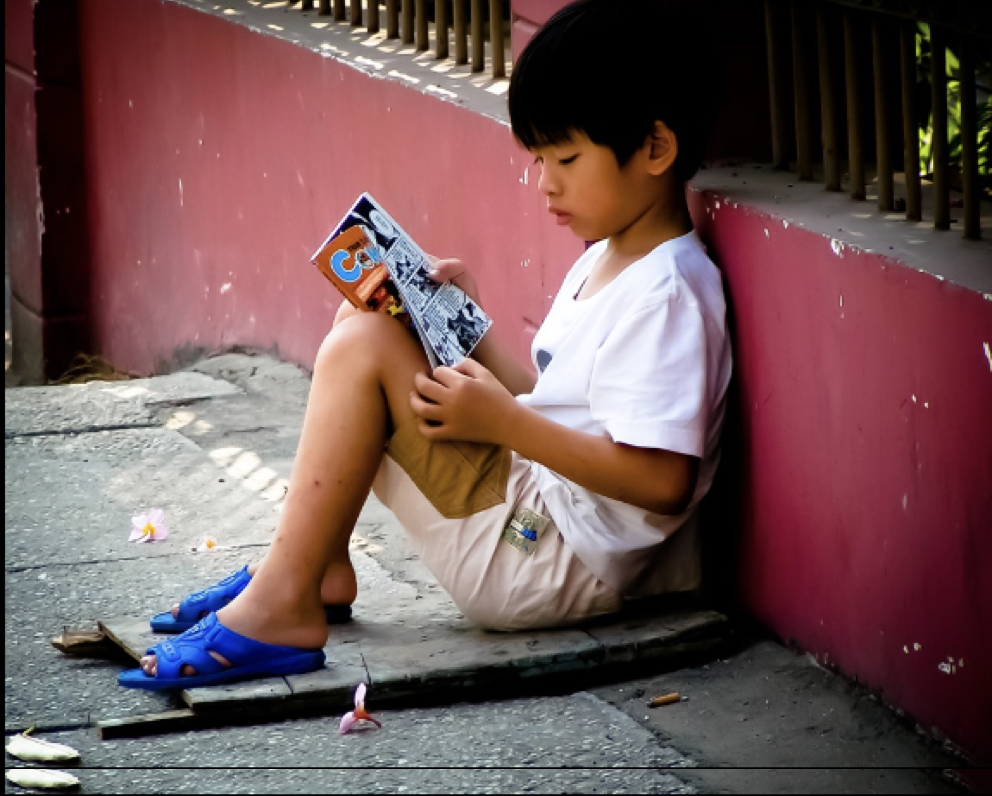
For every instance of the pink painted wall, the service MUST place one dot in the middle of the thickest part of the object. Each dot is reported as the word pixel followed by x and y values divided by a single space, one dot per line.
pixel 218 159
pixel 864 426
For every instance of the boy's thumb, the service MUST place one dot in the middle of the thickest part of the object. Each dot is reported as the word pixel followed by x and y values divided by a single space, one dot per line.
pixel 444 270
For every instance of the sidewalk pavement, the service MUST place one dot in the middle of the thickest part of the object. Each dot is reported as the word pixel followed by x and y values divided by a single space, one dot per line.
pixel 213 447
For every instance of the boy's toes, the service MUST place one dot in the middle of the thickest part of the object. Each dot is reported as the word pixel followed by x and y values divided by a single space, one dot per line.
pixel 149 666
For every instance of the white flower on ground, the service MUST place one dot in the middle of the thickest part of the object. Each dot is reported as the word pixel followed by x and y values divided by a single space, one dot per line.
pixel 148 527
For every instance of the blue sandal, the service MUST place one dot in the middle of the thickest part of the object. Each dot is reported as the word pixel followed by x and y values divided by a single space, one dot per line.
pixel 247 658
pixel 201 603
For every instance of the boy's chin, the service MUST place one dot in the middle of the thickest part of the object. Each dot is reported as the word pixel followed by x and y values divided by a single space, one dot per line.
pixel 577 228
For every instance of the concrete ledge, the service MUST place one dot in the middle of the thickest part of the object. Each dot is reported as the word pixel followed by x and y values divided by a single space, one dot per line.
pixel 439 662
pixel 374 54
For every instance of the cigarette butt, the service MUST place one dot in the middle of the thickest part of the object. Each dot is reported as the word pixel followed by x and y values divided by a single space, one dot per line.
pixel 666 699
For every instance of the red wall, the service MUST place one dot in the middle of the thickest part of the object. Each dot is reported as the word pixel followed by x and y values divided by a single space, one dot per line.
pixel 44 214
pixel 218 158
pixel 863 445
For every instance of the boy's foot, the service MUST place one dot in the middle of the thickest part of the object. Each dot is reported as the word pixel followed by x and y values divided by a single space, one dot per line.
pixel 210 654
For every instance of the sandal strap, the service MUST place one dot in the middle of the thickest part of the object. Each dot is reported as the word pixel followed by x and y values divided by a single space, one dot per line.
pixel 213 598
pixel 192 648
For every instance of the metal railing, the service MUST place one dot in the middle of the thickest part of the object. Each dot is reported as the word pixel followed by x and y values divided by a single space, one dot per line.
pixel 469 24
pixel 847 66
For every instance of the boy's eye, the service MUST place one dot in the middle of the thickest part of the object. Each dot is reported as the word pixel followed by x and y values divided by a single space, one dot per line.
pixel 568 160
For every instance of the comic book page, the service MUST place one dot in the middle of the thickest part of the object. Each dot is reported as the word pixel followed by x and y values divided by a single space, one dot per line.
pixel 449 323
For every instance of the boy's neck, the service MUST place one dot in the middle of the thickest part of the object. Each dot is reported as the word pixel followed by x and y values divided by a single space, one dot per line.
pixel 663 221
pixel 655 227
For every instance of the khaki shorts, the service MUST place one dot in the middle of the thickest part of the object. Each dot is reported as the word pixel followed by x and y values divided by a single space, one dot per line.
pixel 479 524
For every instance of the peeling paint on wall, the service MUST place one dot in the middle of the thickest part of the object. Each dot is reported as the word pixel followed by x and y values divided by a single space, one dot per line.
pixel 950 666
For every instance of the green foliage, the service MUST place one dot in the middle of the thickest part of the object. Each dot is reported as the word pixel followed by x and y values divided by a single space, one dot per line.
pixel 983 110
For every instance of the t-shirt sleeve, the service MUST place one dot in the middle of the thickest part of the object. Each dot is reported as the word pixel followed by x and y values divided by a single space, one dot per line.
pixel 648 385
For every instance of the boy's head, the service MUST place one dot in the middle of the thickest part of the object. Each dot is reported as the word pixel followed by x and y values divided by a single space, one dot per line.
pixel 609 69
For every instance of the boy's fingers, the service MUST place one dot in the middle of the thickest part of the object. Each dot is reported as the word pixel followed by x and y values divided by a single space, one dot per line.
pixel 445 376
pixel 431 432
pixel 424 409
pixel 427 387
pixel 469 367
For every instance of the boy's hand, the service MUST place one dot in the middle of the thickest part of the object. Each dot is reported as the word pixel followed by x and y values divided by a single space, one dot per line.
pixel 465 403
pixel 453 270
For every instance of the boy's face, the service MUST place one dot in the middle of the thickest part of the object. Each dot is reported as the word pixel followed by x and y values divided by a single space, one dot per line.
pixel 588 192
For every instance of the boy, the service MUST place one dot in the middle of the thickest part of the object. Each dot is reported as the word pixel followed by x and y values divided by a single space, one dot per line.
pixel 539 496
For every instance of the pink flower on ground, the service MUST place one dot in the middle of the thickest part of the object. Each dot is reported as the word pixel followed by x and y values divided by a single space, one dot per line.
pixel 148 527
pixel 351 718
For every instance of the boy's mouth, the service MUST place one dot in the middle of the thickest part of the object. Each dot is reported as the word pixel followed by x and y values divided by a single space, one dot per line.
pixel 562 219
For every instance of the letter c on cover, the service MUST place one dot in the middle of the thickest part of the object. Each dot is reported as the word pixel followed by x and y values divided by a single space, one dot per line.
pixel 338 259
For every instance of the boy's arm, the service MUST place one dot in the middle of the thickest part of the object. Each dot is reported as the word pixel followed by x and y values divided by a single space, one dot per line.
pixel 657 480
pixel 468 403
pixel 491 353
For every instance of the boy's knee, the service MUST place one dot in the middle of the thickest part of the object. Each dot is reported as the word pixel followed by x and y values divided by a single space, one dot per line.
pixel 359 336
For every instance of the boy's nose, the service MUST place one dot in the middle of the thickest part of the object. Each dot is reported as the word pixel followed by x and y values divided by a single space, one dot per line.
pixel 546 184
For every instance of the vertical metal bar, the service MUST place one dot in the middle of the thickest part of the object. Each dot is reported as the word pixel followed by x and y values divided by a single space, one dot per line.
pixel 407 25
pixel 441 28
pixel 852 76
pixel 423 32
pixel 801 85
pixel 828 102
pixel 339 11
pixel 355 17
pixel 324 9
pixel 461 33
pixel 910 125
pixel 883 158
pixel 392 19
pixel 938 121
pixel 478 44
pixel 496 37
pixel 372 23
pixel 969 140
pixel 777 88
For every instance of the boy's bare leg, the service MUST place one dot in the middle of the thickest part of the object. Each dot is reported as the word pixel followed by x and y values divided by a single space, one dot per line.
pixel 339 586
pixel 361 384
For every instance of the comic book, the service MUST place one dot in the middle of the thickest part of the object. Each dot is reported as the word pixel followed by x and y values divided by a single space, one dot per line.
pixel 379 268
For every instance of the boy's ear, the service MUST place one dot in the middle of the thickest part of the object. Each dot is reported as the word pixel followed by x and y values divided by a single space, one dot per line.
pixel 662 147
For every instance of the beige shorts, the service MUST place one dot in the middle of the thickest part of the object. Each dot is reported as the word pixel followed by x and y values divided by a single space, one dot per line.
pixel 479 524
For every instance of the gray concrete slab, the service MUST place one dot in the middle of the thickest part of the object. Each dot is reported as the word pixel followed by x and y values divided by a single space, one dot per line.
pixel 759 718
pixel 76 495
pixel 516 748
pixel 75 477
pixel 104 404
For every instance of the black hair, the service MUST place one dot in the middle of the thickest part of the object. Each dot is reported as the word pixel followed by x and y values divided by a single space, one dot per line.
pixel 610 69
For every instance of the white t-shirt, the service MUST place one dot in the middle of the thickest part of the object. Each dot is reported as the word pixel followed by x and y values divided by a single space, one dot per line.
pixel 646 361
